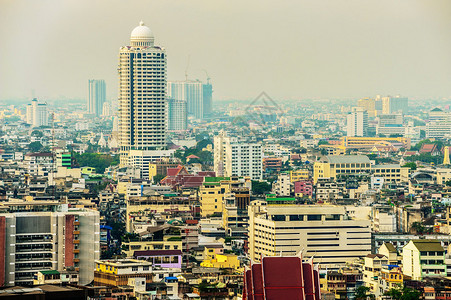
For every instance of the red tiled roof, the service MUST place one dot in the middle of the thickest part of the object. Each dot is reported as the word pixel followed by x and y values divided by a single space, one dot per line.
pixel 192 156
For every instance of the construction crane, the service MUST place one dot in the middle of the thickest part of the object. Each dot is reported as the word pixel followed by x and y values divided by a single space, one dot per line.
pixel 208 77
pixel 187 67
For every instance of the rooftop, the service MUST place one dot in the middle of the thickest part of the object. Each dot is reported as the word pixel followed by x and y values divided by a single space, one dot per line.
pixel 343 159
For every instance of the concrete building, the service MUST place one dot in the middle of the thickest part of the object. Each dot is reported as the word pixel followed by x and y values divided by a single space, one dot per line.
pixel 325 232
pixel 96 96
pixel 369 105
pixel 423 258
pixel 118 272
pixel 341 165
pixel 396 104
pixel 282 186
pixel 177 115
pixel 47 236
pixel 37 114
pixel 370 142
pixel 357 122
pixel 197 95
pixel 236 158
pixel 392 173
pixel 142 94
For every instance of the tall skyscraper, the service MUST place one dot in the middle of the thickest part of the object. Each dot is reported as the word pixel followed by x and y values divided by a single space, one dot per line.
pixel 37 114
pixel 357 124
pixel 96 96
pixel 142 94
pixel 197 95
pixel 177 115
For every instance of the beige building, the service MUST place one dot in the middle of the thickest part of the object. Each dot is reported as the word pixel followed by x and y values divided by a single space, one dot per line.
pixel 324 232
pixel 142 94
pixel 341 165
pixel 299 175
pixel 423 258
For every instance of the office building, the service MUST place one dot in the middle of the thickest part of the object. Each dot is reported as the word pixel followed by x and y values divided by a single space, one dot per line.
pixel 96 96
pixel 369 105
pixel 370 142
pixel 357 122
pixel 334 165
pixel 37 114
pixel 236 158
pixel 396 104
pixel 197 95
pixel 142 94
pixel 177 115
pixel 325 232
pixel 390 124
pixel 43 236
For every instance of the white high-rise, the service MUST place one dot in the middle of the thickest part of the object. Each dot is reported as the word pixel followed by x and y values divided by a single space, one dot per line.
pixel 142 94
pixel 357 122
pixel 96 96
pixel 37 114
pixel 197 95
pixel 235 158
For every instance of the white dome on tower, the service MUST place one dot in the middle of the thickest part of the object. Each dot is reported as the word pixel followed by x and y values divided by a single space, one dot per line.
pixel 142 36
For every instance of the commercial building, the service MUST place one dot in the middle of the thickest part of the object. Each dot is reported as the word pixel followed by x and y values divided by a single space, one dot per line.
pixel 325 233
pixel 369 105
pixel 357 122
pixel 39 236
pixel 37 114
pixel 96 96
pixel 197 95
pixel 369 142
pixel 142 94
pixel 396 104
pixel 334 165
pixel 236 158
pixel 392 173
pixel 177 115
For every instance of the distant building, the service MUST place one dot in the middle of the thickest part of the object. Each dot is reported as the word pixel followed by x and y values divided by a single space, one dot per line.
pixel 369 105
pixel 177 115
pixel 396 104
pixel 96 96
pixel 335 165
pixel 357 122
pixel 118 272
pixel 37 114
pixel 197 95
pixel 236 158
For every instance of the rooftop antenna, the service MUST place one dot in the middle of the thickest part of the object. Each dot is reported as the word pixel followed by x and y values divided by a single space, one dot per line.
pixel 187 67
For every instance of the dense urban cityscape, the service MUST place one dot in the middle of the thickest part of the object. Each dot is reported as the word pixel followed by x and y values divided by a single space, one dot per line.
pixel 166 192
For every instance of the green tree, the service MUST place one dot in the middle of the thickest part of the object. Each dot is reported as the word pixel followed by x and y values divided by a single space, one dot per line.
pixel 363 293
pixel 157 178
pixel 260 187
pixel 403 293
pixel 448 183
pixel 35 146
pixel 411 165
pixel 37 133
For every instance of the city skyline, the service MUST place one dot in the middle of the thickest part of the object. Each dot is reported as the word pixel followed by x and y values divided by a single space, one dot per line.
pixel 325 50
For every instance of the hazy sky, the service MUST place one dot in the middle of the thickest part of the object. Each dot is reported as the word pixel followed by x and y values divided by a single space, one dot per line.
pixel 290 49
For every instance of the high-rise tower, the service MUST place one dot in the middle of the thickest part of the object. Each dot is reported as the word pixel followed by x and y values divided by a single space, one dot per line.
pixel 96 96
pixel 142 94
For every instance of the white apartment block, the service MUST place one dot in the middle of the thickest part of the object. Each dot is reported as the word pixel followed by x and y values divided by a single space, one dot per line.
pixel 46 240
pixel 325 232
pixel 357 122
pixel 235 158
pixel 139 160
pixel 37 114
pixel 142 94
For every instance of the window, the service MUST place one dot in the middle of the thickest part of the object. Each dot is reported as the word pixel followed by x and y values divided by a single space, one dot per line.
pixel 314 217
pixel 332 217
pixel 146 268
pixel 278 217
pixel 134 269
pixel 296 217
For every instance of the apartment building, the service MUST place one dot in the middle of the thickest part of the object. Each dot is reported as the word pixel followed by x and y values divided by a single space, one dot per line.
pixel 299 175
pixel 237 158
pixel 325 232
pixel 282 186
pixel 392 173
pixel 39 236
pixel 423 258
pixel 118 272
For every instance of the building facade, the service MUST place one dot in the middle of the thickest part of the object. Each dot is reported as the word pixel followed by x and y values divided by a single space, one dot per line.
pixel 142 94
pixel 96 96
pixel 357 122
pixel 37 114
pixel 177 115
